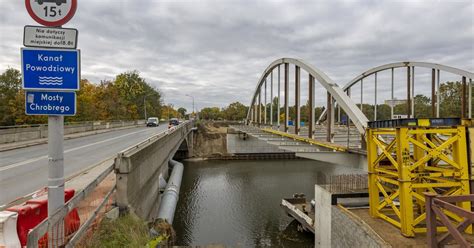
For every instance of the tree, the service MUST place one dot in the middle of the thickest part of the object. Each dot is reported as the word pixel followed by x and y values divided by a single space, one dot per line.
pixel 212 113
pixel 182 111
pixel 235 111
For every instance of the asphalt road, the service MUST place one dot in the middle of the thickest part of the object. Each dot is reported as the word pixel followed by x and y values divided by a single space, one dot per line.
pixel 25 170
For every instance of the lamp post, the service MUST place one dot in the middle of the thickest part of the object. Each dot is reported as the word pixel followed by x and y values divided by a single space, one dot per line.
pixel 193 101
pixel 144 105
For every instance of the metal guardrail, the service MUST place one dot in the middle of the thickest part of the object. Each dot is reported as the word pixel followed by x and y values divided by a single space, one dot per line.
pixel 54 227
pixel 436 208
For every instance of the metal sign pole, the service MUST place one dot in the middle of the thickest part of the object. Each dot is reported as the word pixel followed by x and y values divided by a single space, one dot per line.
pixel 55 176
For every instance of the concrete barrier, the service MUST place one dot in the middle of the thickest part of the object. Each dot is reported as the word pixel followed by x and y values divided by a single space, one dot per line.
pixel 138 170
pixel 27 133
pixel 8 232
pixel 334 226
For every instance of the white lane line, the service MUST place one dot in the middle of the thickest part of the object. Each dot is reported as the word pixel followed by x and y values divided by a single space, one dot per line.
pixel 66 151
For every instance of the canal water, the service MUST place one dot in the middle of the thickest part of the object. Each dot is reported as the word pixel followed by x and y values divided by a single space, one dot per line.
pixel 237 203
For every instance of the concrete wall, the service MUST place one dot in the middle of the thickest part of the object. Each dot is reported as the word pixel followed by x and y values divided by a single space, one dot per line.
pixel 237 144
pixel 17 134
pixel 138 168
pixel 337 227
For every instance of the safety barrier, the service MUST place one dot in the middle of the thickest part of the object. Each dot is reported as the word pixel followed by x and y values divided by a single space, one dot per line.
pixel 436 207
pixel 29 214
pixel 8 233
pixel 406 161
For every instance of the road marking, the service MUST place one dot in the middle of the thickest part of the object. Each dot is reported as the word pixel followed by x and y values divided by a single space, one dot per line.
pixel 66 151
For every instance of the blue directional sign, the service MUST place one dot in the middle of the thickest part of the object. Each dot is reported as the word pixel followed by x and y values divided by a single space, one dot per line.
pixel 50 103
pixel 45 69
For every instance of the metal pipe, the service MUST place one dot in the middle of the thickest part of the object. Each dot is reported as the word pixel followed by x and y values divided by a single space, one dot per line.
pixel 287 68
pixel 297 100
pixel 271 98
pixel 55 174
pixel 170 196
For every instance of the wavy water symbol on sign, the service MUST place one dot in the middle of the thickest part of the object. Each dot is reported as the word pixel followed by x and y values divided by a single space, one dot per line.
pixel 51 80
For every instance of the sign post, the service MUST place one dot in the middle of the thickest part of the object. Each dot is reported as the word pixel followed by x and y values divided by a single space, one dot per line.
pixel 50 78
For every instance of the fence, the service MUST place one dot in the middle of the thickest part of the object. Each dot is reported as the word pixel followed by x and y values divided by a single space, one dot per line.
pixel 438 207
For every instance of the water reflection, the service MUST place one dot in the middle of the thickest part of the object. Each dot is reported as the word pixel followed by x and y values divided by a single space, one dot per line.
pixel 237 203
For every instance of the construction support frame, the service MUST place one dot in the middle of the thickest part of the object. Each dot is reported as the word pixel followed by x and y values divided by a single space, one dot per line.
pixel 406 162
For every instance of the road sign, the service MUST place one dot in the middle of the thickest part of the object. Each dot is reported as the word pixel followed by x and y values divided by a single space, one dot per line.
pixel 52 13
pixel 37 36
pixel 45 69
pixel 50 103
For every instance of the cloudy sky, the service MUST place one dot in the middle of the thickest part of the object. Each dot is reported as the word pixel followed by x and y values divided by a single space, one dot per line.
pixel 217 50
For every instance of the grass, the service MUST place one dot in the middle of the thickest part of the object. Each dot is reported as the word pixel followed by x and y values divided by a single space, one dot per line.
pixel 126 231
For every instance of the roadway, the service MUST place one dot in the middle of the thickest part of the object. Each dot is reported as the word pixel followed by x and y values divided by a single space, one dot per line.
pixel 25 170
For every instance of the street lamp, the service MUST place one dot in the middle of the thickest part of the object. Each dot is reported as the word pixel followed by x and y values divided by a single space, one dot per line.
pixel 144 105
pixel 193 101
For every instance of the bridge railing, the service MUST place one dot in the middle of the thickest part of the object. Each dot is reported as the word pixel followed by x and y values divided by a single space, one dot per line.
pixel 74 221
pixel 10 134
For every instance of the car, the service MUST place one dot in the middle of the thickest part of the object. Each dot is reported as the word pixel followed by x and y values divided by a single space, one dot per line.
pixel 58 2
pixel 152 122
pixel 173 122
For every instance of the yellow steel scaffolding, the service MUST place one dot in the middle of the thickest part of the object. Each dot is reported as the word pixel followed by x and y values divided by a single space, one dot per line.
pixel 406 161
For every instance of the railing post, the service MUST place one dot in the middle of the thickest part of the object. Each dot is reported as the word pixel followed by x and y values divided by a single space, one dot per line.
pixel 430 220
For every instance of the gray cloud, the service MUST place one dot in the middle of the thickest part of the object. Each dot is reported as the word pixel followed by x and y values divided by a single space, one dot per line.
pixel 216 50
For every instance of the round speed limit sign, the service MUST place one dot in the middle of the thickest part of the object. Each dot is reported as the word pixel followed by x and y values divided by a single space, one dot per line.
pixel 52 13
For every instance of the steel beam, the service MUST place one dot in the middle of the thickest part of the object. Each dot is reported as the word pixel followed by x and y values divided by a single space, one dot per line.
pixel 260 107
pixel 278 105
pixel 413 91
pixel 437 94
pixel 469 92
pixel 392 95
pixel 271 98
pixel 265 102
pixel 287 86
pixel 311 106
pixel 375 105
pixel 362 95
pixel 297 100
pixel 329 117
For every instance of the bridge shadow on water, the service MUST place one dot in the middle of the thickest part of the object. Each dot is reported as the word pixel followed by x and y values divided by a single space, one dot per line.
pixel 237 203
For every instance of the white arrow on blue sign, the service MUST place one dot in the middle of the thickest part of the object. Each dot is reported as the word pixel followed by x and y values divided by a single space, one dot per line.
pixel 47 69
pixel 50 103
